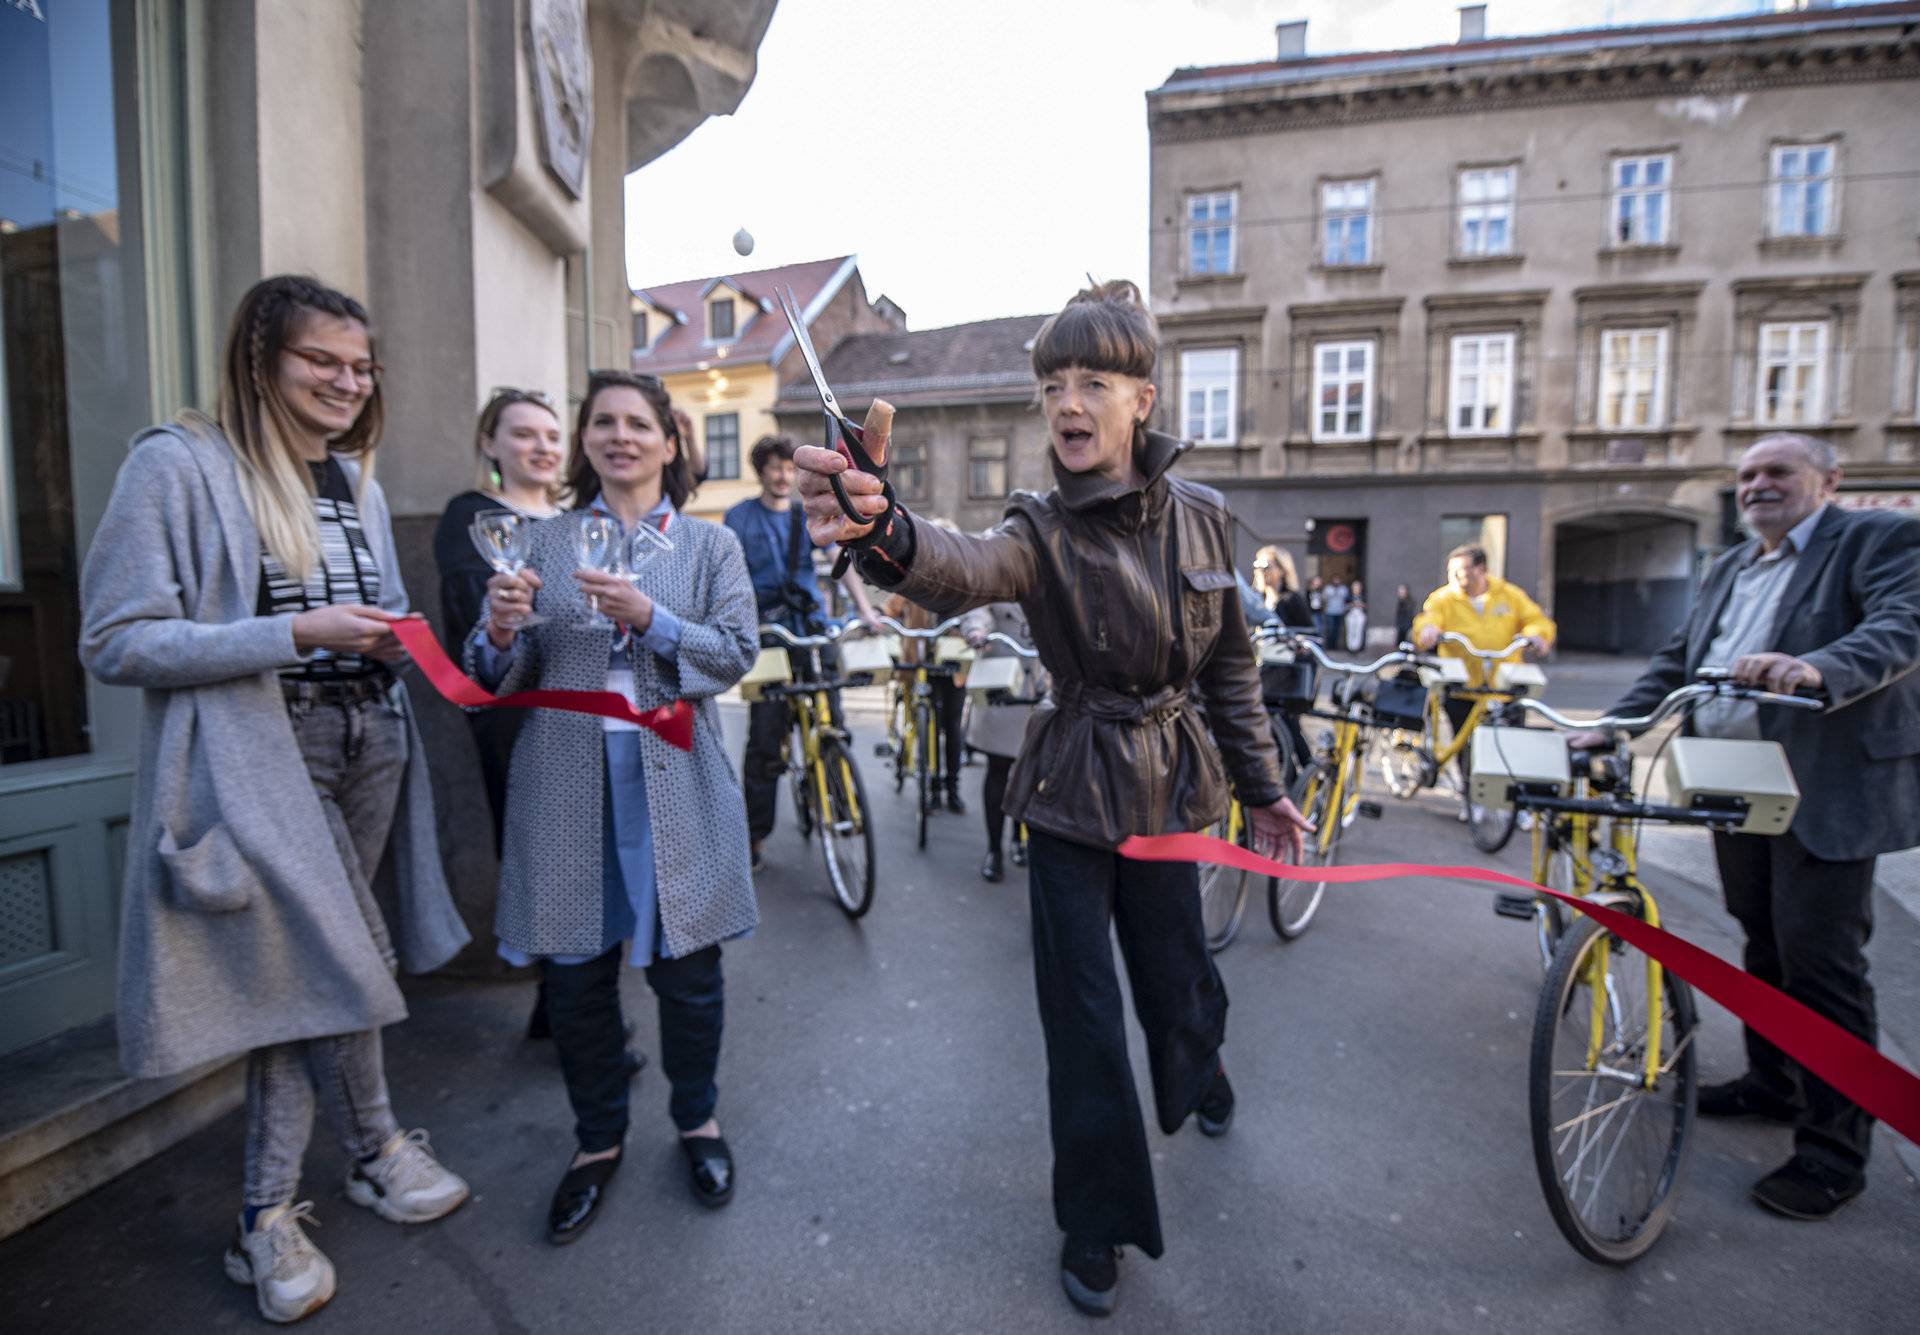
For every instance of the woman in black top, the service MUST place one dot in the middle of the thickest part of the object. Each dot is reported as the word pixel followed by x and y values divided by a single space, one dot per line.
pixel 1279 588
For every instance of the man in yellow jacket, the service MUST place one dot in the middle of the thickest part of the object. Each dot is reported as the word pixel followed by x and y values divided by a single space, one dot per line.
pixel 1487 610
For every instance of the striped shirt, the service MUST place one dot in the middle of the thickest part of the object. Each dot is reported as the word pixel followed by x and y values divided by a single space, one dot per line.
pixel 345 573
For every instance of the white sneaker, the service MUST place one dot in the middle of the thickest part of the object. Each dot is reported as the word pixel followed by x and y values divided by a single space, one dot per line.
pixel 290 1276
pixel 406 1183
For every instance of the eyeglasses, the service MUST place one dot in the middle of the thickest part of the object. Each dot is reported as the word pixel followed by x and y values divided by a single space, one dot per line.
pixel 326 366
pixel 512 395
pixel 1263 565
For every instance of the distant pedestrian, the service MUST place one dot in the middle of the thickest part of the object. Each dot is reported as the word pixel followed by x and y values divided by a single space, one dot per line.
pixel 1403 613
pixel 1333 613
pixel 1355 629
pixel 998 731
pixel 246 580
pixel 1278 585
pixel 1317 605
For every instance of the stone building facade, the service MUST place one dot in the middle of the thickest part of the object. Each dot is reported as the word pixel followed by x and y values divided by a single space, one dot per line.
pixel 1541 291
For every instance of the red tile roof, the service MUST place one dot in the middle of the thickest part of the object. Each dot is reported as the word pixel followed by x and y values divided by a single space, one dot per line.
pixel 985 361
pixel 683 347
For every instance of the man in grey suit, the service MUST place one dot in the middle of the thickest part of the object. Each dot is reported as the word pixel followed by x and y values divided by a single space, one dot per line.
pixel 1825 600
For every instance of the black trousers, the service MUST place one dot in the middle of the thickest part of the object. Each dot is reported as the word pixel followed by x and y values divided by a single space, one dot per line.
pixel 768 722
pixel 1807 922
pixel 949 703
pixel 993 797
pixel 1081 898
pixel 583 1005
pixel 494 733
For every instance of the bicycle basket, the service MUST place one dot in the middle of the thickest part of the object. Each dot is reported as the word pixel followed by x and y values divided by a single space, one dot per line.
pixel 1400 702
pixel 1289 683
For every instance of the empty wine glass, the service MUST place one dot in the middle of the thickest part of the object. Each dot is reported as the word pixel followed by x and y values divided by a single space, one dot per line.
pixel 600 541
pixel 644 543
pixel 504 538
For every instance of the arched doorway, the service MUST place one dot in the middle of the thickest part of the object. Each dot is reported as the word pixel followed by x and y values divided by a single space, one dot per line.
pixel 1622 581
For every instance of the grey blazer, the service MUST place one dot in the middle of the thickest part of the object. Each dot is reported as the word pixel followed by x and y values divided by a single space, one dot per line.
pixel 238 926
pixel 550 868
pixel 1852 609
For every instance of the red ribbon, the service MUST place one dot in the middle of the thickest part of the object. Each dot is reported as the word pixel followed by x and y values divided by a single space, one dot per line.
pixel 673 723
pixel 1880 1085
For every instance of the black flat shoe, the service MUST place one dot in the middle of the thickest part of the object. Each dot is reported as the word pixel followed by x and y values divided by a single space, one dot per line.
pixel 954 802
pixel 712 1165
pixel 1090 1273
pixel 1019 852
pixel 991 870
pixel 1805 1188
pixel 578 1199
pixel 1215 1113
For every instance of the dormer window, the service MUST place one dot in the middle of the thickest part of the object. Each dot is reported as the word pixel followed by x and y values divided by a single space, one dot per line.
pixel 719 319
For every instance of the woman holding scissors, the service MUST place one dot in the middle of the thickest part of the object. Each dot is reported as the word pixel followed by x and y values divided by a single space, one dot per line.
pixel 641 850
pixel 1126 576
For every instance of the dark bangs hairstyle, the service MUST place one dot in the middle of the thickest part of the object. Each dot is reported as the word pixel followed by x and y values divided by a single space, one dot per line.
pixel 676 477
pixel 1106 327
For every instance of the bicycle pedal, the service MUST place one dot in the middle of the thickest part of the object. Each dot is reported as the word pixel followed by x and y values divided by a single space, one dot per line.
pixel 1514 906
pixel 1369 808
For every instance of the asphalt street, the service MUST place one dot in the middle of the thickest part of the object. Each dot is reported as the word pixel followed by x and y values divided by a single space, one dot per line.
pixel 883 1089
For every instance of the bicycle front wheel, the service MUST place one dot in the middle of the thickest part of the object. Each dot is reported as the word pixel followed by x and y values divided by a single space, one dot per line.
pixel 1291 903
pixel 1610 1146
pixel 1223 893
pixel 846 830
pixel 923 768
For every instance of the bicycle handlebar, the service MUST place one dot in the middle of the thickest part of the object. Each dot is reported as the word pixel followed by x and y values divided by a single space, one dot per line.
pixel 1485 655
pixel 911 634
pixel 831 634
pixel 1683 697
pixel 1011 643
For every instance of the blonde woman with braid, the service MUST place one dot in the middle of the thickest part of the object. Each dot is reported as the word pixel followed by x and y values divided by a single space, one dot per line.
pixel 245 579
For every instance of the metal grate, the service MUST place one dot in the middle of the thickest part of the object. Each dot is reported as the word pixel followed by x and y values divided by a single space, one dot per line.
pixel 26 907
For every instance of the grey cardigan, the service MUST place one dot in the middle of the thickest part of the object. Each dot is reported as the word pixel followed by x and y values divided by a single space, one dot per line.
pixel 551 864
pixel 238 924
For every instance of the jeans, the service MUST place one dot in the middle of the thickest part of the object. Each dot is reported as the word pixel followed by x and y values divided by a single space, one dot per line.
pixel 1807 922
pixel 1081 897
pixel 768 723
pixel 355 754
pixel 583 1005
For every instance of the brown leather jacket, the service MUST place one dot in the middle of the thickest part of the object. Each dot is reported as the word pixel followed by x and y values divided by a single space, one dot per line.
pixel 1131 597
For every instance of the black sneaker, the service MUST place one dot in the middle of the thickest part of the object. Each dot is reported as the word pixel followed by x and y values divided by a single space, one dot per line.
pixel 954 802
pixel 1090 1273
pixel 1215 1113
pixel 991 870
pixel 1019 852
pixel 1806 1188
pixel 1744 1097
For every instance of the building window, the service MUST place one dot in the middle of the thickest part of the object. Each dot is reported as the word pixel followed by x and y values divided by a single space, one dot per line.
pixel 1792 380
pixel 1346 209
pixel 1342 391
pixel 1802 190
pixel 1210 247
pixel 1209 394
pixel 1480 399
pixel 1641 209
pixel 719 319
pixel 640 330
pixel 908 471
pixel 987 467
pixel 722 437
pixel 1486 211
pixel 1633 375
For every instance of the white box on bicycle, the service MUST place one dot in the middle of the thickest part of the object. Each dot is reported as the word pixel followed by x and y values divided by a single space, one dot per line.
pixel 1702 769
pixel 1444 672
pixel 1504 757
pixel 951 649
pixel 1520 679
pixel 870 656
pixel 771 668
pixel 995 674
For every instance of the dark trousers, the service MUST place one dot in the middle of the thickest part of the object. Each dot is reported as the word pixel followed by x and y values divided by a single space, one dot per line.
pixel 1807 922
pixel 993 796
pixel 1081 897
pixel 949 703
pixel 1457 711
pixel 583 1004
pixel 494 733
pixel 768 722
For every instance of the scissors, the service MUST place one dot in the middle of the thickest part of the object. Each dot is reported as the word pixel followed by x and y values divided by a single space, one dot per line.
pixel 848 440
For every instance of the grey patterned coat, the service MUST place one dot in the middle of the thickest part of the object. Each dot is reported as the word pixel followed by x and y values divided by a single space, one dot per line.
pixel 238 926
pixel 550 870
pixel 1001 730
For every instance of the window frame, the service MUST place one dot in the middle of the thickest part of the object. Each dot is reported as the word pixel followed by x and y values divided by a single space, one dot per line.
pixel 976 457
pixel 1461 208
pixel 1191 227
pixel 1660 414
pixel 1817 409
pixel 707 443
pixel 1369 381
pixel 1368 216
pixel 1229 415
pixel 1638 193
pixel 733 327
pixel 1483 338
pixel 1778 184
pixel 907 463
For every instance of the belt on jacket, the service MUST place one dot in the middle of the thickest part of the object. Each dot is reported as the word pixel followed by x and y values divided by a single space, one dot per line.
pixel 342 691
pixel 1114 706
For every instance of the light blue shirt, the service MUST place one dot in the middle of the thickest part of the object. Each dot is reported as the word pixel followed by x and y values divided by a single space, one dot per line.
pixel 1746 626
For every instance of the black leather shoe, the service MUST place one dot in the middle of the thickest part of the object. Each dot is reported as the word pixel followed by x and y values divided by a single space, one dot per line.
pixel 954 804
pixel 1215 1113
pixel 1806 1188
pixel 991 870
pixel 1090 1273
pixel 712 1165
pixel 1019 852
pixel 1744 1098
pixel 578 1199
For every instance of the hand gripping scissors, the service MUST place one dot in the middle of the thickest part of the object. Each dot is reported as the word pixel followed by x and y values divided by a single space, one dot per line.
pixel 843 436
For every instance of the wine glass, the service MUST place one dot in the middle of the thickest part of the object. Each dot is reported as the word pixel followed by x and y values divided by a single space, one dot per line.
pixel 600 540
pixel 643 544
pixel 504 539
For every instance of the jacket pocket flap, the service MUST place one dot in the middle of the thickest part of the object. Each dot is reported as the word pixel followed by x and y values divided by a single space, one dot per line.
pixel 1209 580
pixel 209 875
pixel 1893 743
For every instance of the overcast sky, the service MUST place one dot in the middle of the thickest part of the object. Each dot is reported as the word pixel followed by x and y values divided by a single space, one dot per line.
pixel 982 156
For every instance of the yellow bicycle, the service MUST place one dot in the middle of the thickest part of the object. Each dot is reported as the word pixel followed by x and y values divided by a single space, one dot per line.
pixel 828 795
pixel 913 733
pixel 1611 1078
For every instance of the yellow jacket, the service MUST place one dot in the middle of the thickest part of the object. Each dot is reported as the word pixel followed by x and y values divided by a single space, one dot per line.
pixel 1509 613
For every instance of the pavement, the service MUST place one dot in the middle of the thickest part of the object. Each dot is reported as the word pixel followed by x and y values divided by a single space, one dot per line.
pixel 883 1089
